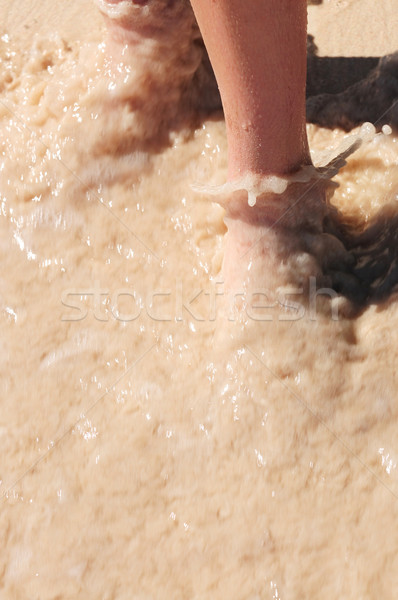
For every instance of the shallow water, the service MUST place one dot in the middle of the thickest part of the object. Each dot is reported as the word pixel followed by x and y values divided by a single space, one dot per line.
pixel 154 443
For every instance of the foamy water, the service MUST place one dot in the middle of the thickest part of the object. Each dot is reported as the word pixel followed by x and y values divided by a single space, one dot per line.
pixel 154 442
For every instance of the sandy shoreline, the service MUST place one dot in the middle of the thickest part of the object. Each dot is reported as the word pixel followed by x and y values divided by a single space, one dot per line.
pixel 150 449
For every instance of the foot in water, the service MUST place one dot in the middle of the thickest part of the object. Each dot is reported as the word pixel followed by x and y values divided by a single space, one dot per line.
pixel 160 42
pixel 284 232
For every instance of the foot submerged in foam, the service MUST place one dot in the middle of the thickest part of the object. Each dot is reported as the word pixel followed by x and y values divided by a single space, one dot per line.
pixel 158 41
pixel 283 231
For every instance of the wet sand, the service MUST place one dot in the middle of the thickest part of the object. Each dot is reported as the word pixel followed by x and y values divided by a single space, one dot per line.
pixel 155 444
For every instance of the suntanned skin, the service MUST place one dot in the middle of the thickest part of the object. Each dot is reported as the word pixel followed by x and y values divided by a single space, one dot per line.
pixel 258 52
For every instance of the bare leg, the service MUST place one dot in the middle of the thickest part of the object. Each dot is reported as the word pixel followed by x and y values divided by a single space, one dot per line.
pixel 258 52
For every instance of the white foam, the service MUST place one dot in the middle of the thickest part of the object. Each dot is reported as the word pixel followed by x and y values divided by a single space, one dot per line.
pixel 386 129
pixel 327 165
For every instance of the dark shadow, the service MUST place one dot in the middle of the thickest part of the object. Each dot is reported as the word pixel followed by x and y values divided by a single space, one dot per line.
pixel 345 92
pixel 333 75
pixel 372 274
